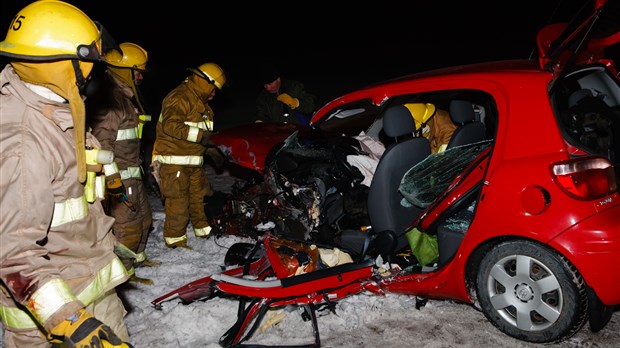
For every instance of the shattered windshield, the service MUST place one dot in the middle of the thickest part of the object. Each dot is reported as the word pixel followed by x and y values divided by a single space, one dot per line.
pixel 424 182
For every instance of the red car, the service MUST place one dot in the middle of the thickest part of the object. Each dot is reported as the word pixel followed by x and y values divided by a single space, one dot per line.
pixel 523 205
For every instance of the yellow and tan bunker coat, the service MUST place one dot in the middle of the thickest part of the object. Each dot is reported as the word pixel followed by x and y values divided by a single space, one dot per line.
pixel 116 126
pixel 183 122
pixel 56 250
pixel 440 130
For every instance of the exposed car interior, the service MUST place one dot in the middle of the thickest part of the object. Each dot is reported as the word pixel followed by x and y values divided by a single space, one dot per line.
pixel 340 204
pixel 364 116
pixel 588 112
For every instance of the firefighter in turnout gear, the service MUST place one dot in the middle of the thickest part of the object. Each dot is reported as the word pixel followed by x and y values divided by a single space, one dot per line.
pixel 58 269
pixel 182 138
pixel 113 112
pixel 432 123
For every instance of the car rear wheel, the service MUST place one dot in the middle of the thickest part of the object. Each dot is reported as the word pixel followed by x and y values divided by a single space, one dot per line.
pixel 531 293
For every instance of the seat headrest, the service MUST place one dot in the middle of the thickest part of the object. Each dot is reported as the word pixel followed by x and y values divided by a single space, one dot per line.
pixel 397 121
pixel 462 112
pixel 583 97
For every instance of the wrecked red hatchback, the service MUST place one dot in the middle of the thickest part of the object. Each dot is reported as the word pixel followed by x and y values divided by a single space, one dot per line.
pixel 518 216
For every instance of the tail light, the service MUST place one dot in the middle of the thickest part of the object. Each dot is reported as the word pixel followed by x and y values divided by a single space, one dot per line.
pixel 585 178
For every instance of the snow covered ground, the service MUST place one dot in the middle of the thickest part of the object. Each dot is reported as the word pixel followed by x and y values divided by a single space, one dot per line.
pixel 360 320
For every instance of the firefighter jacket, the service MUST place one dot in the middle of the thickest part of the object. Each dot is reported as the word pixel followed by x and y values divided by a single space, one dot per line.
pixel 268 108
pixel 441 130
pixel 57 251
pixel 185 118
pixel 115 122
pixel 115 125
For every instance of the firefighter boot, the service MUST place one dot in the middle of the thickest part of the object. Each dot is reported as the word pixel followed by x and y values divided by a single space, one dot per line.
pixel 136 279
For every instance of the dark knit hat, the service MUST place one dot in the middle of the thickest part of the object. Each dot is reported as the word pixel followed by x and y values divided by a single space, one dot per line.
pixel 268 73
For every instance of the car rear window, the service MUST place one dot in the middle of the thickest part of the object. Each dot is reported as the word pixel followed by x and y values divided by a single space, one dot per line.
pixel 587 102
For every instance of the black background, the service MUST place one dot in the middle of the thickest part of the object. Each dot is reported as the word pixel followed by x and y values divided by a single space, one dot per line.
pixel 331 47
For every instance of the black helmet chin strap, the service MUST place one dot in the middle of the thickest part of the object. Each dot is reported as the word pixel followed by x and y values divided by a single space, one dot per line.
pixel 80 81
pixel 201 74
pixel 138 98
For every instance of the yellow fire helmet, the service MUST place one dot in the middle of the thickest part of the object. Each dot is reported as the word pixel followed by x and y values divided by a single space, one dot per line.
pixel 53 44
pixel 421 112
pixel 132 57
pixel 48 30
pixel 123 64
pixel 212 73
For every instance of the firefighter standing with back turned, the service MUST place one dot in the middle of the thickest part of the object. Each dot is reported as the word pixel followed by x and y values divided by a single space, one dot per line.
pixel 57 262
pixel 115 114
pixel 183 132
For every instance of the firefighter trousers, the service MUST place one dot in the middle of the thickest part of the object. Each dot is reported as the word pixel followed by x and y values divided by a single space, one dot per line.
pixel 133 220
pixel 184 188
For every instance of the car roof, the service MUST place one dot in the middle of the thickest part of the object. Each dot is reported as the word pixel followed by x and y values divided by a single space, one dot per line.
pixel 379 91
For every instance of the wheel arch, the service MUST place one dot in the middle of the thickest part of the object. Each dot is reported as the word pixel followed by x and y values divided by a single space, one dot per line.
pixel 598 316
pixel 471 266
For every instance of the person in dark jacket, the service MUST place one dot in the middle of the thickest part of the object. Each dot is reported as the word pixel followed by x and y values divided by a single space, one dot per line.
pixel 283 100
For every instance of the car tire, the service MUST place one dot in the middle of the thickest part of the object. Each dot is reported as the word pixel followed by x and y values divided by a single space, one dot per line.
pixel 530 292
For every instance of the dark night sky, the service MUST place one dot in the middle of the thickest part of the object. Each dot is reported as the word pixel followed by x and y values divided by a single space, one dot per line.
pixel 332 50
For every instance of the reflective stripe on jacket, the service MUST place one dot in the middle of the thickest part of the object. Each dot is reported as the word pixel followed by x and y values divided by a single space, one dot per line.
pixel 131 172
pixel 55 293
pixel 115 124
pixel 46 229
pixel 127 134
pixel 70 210
pixel 186 160
pixel 180 160
pixel 194 128
pixel 181 125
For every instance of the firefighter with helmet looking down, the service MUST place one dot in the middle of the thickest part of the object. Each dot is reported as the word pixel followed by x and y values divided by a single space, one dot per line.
pixel 116 115
pixel 57 262
pixel 182 139
pixel 432 123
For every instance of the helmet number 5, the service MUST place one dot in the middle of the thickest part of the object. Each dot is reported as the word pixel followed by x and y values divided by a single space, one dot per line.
pixel 17 23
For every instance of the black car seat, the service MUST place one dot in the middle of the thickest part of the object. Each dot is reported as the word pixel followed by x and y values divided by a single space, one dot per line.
pixel 469 130
pixel 388 216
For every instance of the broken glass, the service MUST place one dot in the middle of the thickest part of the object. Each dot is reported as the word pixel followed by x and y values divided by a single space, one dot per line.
pixel 425 181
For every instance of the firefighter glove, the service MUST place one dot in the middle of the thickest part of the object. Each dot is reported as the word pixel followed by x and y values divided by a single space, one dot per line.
pixel 206 139
pixel 291 102
pixel 115 187
pixel 82 330
pixel 217 159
